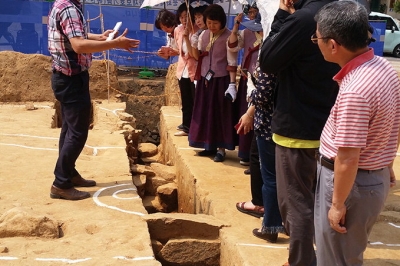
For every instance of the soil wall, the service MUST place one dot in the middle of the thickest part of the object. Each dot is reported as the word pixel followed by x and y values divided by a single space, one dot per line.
pixel 26 78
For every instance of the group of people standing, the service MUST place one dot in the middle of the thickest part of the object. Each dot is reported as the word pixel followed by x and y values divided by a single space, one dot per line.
pixel 208 62
pixel 310 122
pixel 325 112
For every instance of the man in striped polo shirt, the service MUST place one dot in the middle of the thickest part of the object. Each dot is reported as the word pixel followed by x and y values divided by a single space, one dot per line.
pixel 359 140
pixel 70 46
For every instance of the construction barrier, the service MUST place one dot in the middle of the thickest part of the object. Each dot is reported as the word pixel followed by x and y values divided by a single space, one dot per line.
pixel 23 27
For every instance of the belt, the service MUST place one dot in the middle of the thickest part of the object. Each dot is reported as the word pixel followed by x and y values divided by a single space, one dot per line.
pixel 60 72
pixel 330 164
pixel 325 161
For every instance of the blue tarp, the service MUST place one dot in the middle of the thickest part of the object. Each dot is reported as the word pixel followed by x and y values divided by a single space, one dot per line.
pixel 23 28
pixel 379 35
pixel 140 24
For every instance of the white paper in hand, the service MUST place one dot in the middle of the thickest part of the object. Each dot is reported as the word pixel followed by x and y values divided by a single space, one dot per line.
pixel 115 30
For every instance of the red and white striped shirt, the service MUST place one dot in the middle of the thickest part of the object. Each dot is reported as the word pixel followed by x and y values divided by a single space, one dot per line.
pixel 366 113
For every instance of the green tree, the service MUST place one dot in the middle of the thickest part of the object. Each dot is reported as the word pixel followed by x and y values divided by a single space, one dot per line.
pixel 396 6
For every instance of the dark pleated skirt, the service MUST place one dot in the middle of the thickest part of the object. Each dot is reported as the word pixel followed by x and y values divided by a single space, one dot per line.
pixel 241 106
pixel 213 119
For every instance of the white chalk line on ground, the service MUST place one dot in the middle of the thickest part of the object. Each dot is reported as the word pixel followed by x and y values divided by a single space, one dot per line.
pixel 200 149
pixel 8 258
pixel 178 116
pixel 71 261
pixel 28 147
pixel 380 243
pixel 261 246
pixel 94 148
pixel 24 106
pixel 394 225
pixel 133 259
pixel 43 106
pixel 25 146
pixel 101 204
pixel 112 111
pixel 49 107
pixel 195 149
pixel 191 149
pixel 28 136
pixel 389 245
pixel 371 243
pixel 115 194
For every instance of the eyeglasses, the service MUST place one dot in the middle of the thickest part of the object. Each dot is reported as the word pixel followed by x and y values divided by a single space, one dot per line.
pixel 314 38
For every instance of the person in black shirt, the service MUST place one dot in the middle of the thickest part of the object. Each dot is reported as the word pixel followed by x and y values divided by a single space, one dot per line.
pixel 304 95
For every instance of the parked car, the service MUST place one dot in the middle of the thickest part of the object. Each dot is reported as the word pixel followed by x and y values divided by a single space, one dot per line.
pixel 392 34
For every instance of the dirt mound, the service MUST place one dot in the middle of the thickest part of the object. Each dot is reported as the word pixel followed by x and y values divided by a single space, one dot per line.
pixel 26 77
pixel 24 222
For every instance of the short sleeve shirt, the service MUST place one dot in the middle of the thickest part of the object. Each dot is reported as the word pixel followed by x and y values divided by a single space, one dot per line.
pixel 66 21
pixel 366 113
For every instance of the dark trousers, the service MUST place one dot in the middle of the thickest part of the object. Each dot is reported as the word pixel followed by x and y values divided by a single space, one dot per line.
pixel 296 171
pixel 186 87
pixel 73 94
pixel 241 106
pixel 256 181
pixel 272 222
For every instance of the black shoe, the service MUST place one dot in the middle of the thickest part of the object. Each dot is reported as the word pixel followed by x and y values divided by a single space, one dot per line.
pixel 180 127
pixel 272 238
pixel 207 152
pixel 247 171
pixel 219 157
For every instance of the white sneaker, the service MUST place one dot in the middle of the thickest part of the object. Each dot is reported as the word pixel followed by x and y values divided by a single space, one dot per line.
pixel 181 133
pixel 244 162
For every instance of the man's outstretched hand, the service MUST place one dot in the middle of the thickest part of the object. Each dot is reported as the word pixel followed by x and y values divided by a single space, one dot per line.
pixel 126 43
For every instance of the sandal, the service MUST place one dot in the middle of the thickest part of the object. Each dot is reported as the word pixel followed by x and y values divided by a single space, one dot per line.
pixel 258 211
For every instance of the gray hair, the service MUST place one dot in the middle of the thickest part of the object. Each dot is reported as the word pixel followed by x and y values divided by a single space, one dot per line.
pixel 346 22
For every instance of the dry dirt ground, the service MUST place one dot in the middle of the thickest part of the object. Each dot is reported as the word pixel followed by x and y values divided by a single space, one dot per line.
pixel 106 229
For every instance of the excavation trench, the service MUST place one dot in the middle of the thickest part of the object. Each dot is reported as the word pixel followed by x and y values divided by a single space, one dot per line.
pixel 178 236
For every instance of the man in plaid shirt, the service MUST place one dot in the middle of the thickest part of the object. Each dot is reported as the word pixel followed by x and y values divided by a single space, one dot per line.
pixel 70 46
